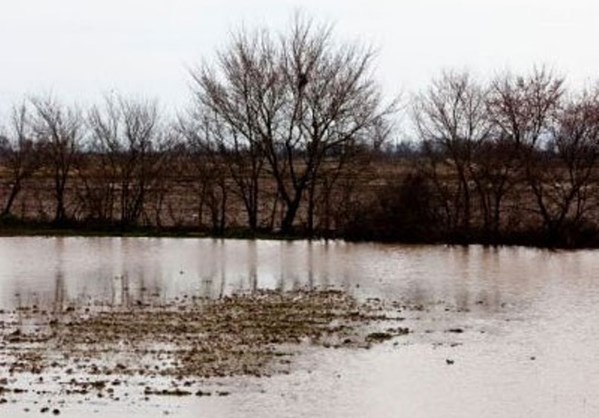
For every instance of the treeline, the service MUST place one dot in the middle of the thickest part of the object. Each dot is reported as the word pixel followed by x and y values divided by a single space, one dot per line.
pixel 119 167
pixel 279 126
pixel 512 160
pixel 289 133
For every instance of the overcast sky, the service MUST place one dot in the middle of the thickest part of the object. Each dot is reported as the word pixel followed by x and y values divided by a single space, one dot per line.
pixel 78 49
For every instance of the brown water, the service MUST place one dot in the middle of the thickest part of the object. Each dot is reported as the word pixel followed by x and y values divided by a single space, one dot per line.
pixel 530 318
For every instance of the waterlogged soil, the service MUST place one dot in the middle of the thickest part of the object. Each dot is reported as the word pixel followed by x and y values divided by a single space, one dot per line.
pixel 179 348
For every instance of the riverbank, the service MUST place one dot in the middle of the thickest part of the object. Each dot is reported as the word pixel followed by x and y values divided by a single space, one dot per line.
pixel 74 229
pixel 532 239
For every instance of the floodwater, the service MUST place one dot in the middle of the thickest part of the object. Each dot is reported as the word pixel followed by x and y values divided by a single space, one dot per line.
pixel 528 319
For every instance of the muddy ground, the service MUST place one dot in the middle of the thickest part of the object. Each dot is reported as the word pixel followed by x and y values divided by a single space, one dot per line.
pixel 177 348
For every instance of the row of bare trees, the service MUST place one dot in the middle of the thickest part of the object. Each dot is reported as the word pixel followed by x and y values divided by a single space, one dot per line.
pixel 51 146
pixel 517 153
pixel 277 123
pixel 288 130
pixel 41 133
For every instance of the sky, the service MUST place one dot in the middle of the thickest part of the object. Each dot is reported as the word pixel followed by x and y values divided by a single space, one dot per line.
pixel 79 50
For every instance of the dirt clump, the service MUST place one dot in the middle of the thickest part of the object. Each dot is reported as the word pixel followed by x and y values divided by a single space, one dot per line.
pixel 245 334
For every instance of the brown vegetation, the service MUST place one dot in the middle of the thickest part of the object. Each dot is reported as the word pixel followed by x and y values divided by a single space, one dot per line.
pixel 191 338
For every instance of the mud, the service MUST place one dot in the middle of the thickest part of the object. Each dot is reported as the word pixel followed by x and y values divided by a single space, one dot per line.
pixel 175 349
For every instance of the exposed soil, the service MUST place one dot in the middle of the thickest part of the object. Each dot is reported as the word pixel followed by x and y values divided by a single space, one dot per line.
pixel 98 350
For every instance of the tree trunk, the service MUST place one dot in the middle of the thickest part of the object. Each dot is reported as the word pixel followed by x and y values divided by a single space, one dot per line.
pixel 290 214
pixel 311 208
pixel 11 199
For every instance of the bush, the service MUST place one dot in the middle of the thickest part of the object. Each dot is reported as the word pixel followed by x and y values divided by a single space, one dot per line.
pixel 404 212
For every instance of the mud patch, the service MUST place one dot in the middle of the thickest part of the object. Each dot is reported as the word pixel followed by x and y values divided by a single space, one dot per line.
pixel 97 351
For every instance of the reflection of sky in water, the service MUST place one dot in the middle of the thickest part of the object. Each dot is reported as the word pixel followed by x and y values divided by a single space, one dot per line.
pixel 100 269
pixel 58 271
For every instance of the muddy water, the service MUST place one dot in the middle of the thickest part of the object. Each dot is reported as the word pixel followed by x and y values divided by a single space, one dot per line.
pixel 496 333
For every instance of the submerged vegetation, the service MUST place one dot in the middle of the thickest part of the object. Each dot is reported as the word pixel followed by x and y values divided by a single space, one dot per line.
pixel 95 348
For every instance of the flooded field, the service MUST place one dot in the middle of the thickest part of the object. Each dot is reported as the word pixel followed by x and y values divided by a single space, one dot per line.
pixel 415 331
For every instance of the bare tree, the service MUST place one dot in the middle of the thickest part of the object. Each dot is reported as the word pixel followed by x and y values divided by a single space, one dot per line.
pixel 59 130
pixel 331 195
pixel 236 103
pixel 452 122
pixel 295 100
pixel 523 110
pixel 523 106
pixel 131 148
pixel 100 169
pixel 210 167
pixel 561 176
pixel 496 172
pixel 215 142
pixel 18 155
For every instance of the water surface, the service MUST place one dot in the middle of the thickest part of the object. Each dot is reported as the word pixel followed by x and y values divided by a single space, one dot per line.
pixel 530 320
